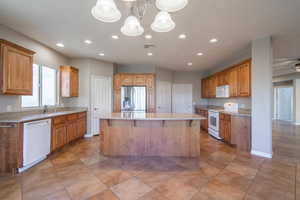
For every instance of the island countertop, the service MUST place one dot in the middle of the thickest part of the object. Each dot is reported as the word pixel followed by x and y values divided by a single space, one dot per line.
pixel 151 116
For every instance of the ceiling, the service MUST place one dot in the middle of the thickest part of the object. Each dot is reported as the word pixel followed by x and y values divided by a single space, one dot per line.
pixel 234 22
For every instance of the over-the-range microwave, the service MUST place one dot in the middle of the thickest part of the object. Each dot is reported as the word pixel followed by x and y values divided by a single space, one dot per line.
pixel 222 91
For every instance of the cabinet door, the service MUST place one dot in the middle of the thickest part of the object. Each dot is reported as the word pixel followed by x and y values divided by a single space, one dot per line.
pixel 71 131
pixel 127 79
pixel 212 86
pixel 150 80
pixel 233 81
pixel 225 127
pixel 244 75
pixel 17 72
pixel 59 136
pixel 74 82
pixel 139 79
pixel 81 127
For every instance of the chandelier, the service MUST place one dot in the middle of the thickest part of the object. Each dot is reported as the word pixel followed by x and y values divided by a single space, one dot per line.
pixel 107 11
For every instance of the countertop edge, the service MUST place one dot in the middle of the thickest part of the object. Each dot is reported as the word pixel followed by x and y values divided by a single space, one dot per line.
pixel 49 115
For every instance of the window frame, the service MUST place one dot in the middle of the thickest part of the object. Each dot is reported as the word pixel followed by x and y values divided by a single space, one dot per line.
pixel 40 88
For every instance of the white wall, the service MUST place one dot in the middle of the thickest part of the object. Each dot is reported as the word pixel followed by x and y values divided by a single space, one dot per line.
pixel 87 68
pixel 143 68
pixel 262 96
pixel 193 78
pixel 44 56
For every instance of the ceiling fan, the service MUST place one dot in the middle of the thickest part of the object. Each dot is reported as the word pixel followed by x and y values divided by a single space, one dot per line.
pixel 288 64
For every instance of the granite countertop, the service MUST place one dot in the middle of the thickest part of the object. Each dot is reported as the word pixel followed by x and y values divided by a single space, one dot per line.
pixel 26 116
pixel 151 116
pixel 241 112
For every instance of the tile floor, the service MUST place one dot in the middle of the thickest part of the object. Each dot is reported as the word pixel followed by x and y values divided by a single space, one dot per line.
pixel 79 171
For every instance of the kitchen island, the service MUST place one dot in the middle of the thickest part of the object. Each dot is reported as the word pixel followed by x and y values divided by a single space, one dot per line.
pixel 150 134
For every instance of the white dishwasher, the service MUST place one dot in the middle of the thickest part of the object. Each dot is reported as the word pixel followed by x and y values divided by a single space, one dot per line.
pixel 36 142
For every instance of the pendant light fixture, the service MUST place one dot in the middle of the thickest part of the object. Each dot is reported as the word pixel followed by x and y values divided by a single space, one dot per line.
pixel 106 11
pixel 163 22
pixel 171 5
pixel 132 27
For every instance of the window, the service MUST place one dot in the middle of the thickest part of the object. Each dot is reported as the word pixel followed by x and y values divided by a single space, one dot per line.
pixel 44 88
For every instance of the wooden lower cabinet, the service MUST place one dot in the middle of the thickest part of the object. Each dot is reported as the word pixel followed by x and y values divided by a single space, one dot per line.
pixel 236 130
pixel 225 127
pixel 68 128
pixel 59 136
pixel 203 123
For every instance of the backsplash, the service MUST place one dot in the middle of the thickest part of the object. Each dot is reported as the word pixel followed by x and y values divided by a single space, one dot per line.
pixel 244 103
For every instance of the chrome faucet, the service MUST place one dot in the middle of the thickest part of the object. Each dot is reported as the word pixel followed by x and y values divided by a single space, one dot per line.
pixel 45 110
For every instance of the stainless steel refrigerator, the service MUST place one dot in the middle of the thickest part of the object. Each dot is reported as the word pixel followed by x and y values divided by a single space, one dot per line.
pixel 133 98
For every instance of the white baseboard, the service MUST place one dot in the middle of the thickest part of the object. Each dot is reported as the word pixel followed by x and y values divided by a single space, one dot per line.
pixel 297 124
pixel 262 154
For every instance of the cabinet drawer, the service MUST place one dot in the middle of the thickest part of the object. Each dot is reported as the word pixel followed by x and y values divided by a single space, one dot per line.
pixel 72 117
pixel 81 115
pixel 59 120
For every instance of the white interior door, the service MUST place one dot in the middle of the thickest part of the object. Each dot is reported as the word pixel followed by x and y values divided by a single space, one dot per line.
pixel 164 97
pixel 182 98
pixel 100 100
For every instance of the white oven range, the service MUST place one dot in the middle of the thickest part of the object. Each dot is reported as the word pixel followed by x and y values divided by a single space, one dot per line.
pixel 213 123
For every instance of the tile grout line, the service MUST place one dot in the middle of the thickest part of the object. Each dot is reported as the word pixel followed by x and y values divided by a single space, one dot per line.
pixel 252 181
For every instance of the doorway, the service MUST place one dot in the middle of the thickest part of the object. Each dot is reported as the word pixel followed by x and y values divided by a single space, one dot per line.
pixel 164 97
pixel 182 98
pixel 283 103
pixel 101 95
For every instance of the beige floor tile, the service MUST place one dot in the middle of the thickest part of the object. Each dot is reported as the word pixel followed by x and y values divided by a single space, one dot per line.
pixel 153 179
pixel 85 188
pixel 105 195
pixel 176 189
pixel 113 177
pixel 93 159
pixel 217 190
pixel 10 188
pixel 60 195
pixel 242 169
pixel 131 189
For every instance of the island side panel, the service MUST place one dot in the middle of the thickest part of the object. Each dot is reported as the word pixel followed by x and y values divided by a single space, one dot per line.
pixel 151 138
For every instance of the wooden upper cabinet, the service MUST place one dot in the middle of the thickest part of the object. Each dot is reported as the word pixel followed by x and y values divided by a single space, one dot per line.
pixel 139 79
pixel 127 79
pixel 233 81
pixel 15 69
pixel 69 81
pixel 123 79
pixel 212 86
pixel 244 81
pixel 237 77
pixel 222 78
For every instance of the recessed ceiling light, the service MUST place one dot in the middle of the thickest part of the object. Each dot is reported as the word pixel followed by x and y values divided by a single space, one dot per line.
pixel 101 54
pixel 88 41
pixel 148 36
pixel 213 40
pixel 199 54
pixel 115 37
pixel 60 45
pixel 190 64
pixel 150 54
pixel 182 36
